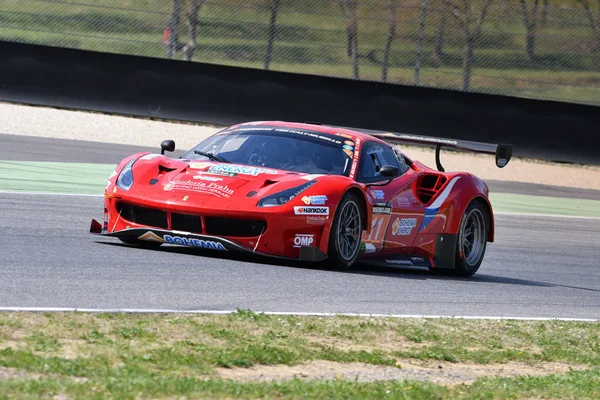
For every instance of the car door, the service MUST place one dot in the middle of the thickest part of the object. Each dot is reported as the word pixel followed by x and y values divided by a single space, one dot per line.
pixel 394 207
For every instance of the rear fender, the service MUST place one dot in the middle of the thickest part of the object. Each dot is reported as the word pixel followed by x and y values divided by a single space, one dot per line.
pixel 468 188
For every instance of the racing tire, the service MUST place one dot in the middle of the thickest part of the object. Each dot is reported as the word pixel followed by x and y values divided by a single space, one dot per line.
pixel 472 239
pixel 346 233
pixel 140 243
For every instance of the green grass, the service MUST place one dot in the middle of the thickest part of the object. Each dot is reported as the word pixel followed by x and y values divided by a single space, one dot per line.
pixel 161 356
pixel 311 39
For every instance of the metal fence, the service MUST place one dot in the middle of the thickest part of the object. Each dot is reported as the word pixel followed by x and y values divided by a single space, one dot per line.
pixel 526 48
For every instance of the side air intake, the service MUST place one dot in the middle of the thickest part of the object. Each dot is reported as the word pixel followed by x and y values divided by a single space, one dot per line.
pixel 427 186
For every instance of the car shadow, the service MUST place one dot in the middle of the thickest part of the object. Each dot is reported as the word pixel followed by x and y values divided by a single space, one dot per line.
pixel 403 272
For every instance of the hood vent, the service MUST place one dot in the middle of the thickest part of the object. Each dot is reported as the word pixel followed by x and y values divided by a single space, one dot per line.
pixel 164 170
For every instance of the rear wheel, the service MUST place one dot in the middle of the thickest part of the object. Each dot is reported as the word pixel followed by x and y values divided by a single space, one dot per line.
pixel 472 239
pixel 146 244
pixel 346 232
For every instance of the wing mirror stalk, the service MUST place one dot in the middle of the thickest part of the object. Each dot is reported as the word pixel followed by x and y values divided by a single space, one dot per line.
pixel 387 171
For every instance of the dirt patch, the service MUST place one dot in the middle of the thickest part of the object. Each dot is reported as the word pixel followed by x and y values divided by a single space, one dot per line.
pixel 442 373
pixel 13 373
pixel 96 127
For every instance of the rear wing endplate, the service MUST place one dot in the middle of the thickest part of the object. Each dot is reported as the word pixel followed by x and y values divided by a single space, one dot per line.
pixel 503 152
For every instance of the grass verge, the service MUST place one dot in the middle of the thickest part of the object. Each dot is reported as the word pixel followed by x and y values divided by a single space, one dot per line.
pixel 250 355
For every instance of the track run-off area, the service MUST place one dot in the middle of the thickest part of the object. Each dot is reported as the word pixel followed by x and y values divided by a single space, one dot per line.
pixel 543 264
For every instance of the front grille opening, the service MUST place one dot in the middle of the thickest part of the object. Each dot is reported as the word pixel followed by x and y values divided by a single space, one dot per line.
pixel 186 222
pixel 143 215
pixel 234 227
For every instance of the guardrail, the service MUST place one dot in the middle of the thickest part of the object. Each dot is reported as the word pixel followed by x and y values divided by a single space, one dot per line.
pixel 224 95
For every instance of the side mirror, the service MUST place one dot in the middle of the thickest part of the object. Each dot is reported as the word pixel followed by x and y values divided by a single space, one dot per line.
pixel 167 145
pixel 387 171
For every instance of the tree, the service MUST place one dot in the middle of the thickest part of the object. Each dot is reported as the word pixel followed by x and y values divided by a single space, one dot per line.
pixel 593 18
pixel 470 22
pixel 532 21
pixel 391 34
pixel 274 5
pixel 440 36
pixel 191 21
pixel 349 7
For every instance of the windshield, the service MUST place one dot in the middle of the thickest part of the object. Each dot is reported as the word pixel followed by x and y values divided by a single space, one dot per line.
pixel 278 148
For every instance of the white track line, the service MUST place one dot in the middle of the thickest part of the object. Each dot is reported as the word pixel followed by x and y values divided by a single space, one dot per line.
pixel 50 193
pixel 495 213
pixel 308 314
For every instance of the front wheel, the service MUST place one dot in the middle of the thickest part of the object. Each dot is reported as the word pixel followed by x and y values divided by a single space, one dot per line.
pixel 346 232
pixel 472 239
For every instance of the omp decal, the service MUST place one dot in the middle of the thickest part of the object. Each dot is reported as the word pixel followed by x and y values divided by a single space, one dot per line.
pixel 314 200
pixel 303 240
pixel 403 226
pixel 240 169
pixel 349 142
pixel 151 237
pixel 431 211
pixel 301 210
pixel 205 244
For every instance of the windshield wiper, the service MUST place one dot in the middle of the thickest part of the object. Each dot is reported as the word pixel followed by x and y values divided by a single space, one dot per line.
pixel 212 156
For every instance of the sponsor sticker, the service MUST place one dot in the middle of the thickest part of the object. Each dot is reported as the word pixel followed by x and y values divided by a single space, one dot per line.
pixel 307 210
pixel 347 147
pixel 377 194
pixel 314 200
pixel 399 262
pixel 348 153
pixel 403 226
pixel 349 142
pixel 402 202
pixel 382 210
pixel 201 187
pixel 240 169
pixel 355 159
pixel 204 244
pixel 303 240
pixel 208 178
pixel 315 219
pixel 151 237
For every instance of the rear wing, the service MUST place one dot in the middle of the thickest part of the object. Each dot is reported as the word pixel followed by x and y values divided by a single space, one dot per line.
pixel 503 152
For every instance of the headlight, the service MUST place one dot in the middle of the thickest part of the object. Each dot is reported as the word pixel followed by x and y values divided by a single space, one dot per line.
pixel 125 179
pixel 283 197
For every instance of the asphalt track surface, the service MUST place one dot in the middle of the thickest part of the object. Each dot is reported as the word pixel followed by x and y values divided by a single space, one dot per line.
pixel 538 267
pixel 28 148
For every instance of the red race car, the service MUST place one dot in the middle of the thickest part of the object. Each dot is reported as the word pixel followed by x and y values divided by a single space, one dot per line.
pixel 307 192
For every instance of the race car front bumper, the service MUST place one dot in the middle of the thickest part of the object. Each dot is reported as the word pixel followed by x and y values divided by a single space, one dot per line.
pixel 195 240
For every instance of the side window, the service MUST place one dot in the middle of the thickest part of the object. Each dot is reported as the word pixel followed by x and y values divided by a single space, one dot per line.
pixel 375 155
